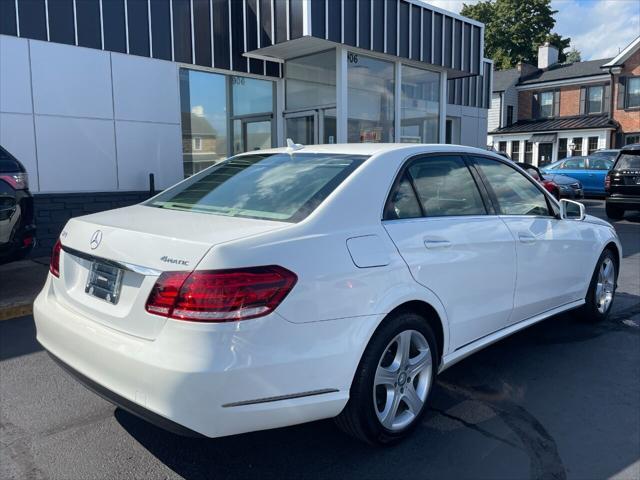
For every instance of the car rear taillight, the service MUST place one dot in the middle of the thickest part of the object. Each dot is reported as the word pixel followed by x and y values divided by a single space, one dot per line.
pixel 220 295
pixel 19 181
pixel 607 183
pixel 54 264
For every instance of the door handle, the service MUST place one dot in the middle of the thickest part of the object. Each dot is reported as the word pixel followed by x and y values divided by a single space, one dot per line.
pixel 526 238
pixel 432 243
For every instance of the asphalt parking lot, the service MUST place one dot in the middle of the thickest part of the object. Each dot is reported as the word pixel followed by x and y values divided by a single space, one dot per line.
pixel 558 400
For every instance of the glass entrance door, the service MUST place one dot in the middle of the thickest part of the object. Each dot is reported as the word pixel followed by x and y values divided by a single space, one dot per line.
pixel 312 126
pixel 251 133
pixel 302 127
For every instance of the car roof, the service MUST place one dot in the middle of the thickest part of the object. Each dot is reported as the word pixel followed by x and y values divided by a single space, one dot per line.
pixel 375 148
pixel 634 147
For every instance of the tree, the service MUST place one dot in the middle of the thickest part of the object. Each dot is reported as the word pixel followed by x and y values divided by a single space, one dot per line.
pixel 573 56
pixel 515 28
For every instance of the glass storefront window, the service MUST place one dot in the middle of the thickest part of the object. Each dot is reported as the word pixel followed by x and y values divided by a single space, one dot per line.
pixel 203 105
pixel 211 133
pixel 311 81
pixel 251 95
pixel 370 95
pixel 420 105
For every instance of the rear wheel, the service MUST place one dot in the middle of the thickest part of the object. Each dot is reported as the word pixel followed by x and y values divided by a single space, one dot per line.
pixel 393 381
pixel 616 213
pixel 602 288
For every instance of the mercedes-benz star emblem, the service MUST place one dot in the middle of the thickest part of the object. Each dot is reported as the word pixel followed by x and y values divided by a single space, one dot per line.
pixel 96 238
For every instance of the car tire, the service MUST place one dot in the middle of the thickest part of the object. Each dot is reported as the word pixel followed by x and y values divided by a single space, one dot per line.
pixel 601 293
pixel 613 212
pixel 387 382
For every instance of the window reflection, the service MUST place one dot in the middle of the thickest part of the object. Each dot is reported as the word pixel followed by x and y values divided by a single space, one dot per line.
pixel 420 105
pixel 311 80
pixel 204 119
pixel 213 130
pixel 371 99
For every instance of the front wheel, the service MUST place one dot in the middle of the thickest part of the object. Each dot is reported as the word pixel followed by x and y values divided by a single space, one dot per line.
pixel 613 212
pixel 393 381
pixel 602 289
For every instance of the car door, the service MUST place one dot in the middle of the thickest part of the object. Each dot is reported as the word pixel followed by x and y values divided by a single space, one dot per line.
pixel 553 255
pixel 597 169
pixel 575 167
pixel 454 244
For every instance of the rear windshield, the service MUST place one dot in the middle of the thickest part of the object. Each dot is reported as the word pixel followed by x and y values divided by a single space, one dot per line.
pixel 7 162
pixel 282 186
pixel 628 161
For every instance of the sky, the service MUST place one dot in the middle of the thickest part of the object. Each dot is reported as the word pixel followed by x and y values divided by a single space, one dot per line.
pixel 598 28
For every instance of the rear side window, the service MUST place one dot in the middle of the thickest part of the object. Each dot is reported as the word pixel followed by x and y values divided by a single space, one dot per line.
pixel 516 194
pixel 600 164
pixel 628 161
pixel 282 187
pixel 445 187
pixel 403 202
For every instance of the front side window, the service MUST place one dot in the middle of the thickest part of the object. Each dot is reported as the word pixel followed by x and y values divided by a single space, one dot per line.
pixel 574 163
pixel 595 97
pixel 516 194
pixel 446 187
pixel 279 186
pixel 633 92
pixel 370 99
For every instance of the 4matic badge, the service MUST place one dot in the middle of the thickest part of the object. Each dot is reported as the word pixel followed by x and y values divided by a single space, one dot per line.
pixel 175 261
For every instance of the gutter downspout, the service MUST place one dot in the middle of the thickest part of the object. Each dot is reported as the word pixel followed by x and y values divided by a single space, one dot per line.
pixel 612 96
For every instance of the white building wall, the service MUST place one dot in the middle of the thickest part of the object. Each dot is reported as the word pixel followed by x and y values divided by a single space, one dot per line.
pixel 87 120
pixel 472 122
pixel 494 112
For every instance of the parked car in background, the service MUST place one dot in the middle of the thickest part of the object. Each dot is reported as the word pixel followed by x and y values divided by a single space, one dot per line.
pixel 623 183
pixel 590 170
pixel 560 186
pixel 608 153
pixel 17 228
pixel 296 284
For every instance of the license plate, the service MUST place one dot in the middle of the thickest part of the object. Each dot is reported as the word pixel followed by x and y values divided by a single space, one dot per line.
pixel 104 282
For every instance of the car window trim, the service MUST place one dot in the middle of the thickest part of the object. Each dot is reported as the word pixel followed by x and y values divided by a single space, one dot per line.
pixel 551 207
pixel 404 170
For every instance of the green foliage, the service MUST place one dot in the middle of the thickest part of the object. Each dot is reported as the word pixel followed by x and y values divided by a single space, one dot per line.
pixel 573 56
pixel 515 28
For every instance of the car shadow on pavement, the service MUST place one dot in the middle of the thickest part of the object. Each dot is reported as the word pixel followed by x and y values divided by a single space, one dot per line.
pixel 18 337
pixel 558 390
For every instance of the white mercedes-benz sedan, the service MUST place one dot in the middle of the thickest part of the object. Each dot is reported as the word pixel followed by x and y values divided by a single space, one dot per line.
pixel 302 283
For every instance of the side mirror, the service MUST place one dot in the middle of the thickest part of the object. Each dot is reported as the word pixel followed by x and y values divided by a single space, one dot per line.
pixel 570 210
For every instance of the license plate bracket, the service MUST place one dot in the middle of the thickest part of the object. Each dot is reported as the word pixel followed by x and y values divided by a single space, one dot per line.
pixel 104 282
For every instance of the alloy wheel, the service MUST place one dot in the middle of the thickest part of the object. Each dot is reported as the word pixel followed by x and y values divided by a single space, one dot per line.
pixel 605 285
pixel 402 380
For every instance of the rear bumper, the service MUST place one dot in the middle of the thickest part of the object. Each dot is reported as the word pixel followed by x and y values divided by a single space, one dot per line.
pixel 211 379
pixel 630 202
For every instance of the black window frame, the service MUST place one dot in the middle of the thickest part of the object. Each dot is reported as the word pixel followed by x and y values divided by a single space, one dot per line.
pixel 553 210
pixel 403 172
pixel 509 115
pixel 627 93
pixel 502 146
pixel 565 142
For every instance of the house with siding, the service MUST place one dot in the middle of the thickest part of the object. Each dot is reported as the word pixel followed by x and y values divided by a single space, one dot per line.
pixel 542 114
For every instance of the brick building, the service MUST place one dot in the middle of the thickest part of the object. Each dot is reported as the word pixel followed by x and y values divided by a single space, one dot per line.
pixel 545 113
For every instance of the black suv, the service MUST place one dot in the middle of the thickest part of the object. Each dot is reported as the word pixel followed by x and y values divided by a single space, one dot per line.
pixel 17 228
pixel 623 183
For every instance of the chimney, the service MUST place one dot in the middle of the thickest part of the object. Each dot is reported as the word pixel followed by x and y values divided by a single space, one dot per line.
pixel 547 55
pixel 525 69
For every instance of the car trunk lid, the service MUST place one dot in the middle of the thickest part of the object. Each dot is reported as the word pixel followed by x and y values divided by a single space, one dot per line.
pixel 112 259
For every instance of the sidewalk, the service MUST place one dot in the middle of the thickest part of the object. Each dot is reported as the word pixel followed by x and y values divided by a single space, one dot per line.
pixel 20 283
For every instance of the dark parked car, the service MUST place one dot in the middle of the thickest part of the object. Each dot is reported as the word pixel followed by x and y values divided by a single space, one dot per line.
pixel 17 228
pixel 560 186
pixel 608 153
pixel 623 183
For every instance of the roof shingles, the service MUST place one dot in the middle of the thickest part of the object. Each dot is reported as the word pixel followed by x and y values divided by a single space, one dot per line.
pixel 556 124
